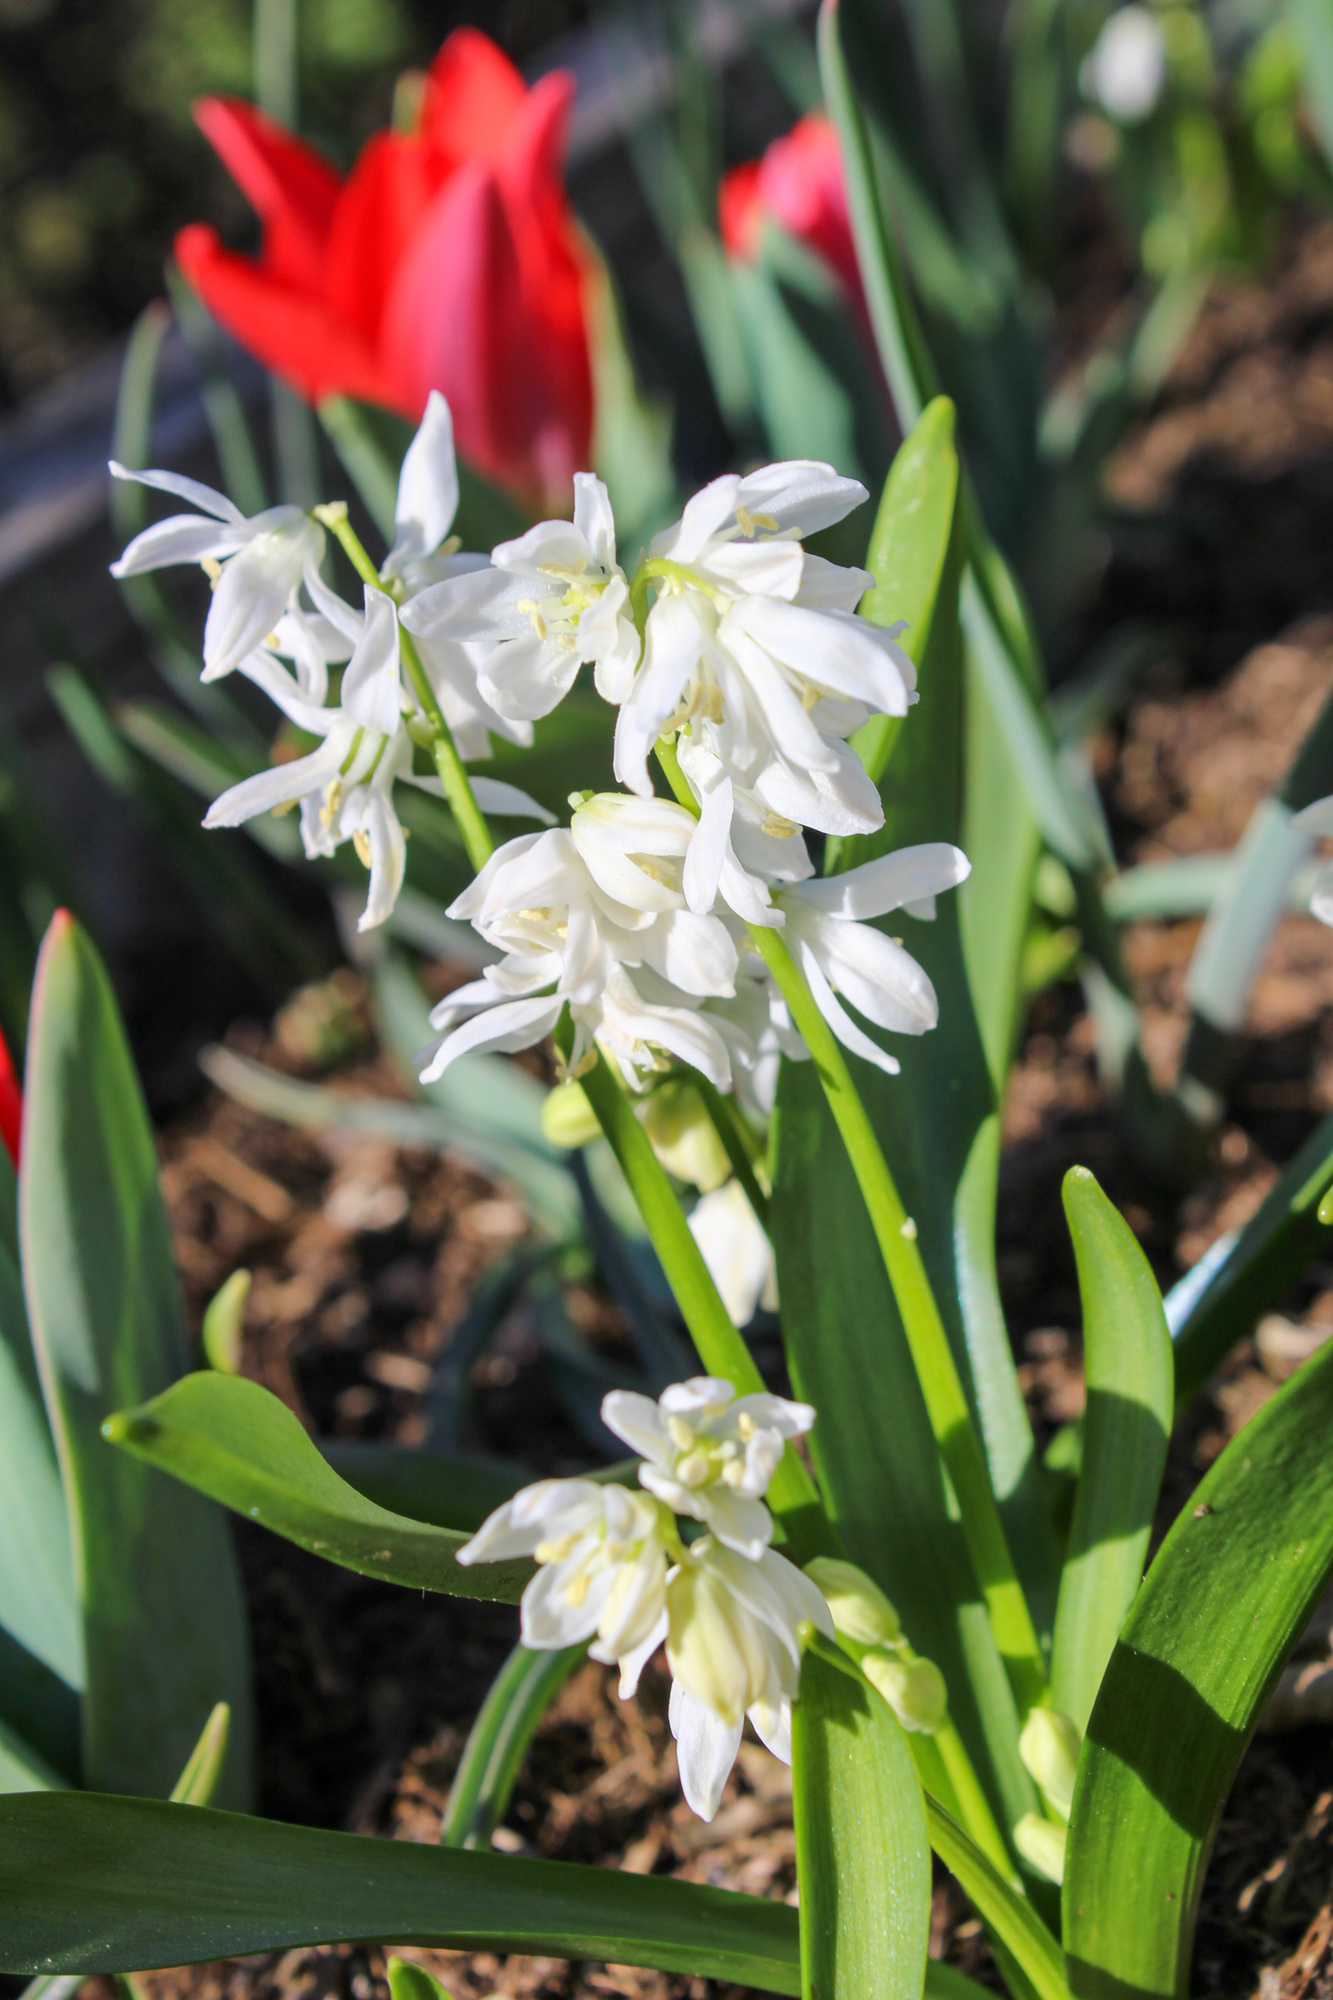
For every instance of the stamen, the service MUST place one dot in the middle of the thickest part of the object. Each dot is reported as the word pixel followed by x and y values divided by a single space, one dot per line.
pixel 810 696
pixel 746 1425
pixel 333 798
pixel 745 522
pixel 211 567
pixel 532 611
pixel 281 811
pixel 577 1589
pixel 554 1552
pixel 778 827
pixel 680 1433
pixel 361 842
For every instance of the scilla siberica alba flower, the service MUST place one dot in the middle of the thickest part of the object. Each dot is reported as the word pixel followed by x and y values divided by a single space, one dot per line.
pixel 612 1568
pixel 753 650
pixel 595 917
pixel 710 1453
pixel 551 600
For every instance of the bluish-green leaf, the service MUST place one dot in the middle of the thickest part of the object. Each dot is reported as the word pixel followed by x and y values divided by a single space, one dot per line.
pixel 449 1489
pixel 97 1884
pixel 238 1444
pixel 1224 1602
pixel 1008 1915
pixel 862 1853
pixel 1130 1381
pixel 164 1622
pixel 498 1741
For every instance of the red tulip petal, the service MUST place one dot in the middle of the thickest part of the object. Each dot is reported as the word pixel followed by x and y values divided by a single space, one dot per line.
pixel 473 95
pixel 292 188
pixel 384 203
pixel 11 1105
pixel 739 211
pixel 290 331
pixel 801 183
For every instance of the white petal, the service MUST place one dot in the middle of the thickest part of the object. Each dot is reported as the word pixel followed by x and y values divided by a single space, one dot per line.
pixel 550 545
pixel 633 1663
pixel 827 586
pixel 894 880
pixel 672 645
pixel 1321 899
pixel 712 508
pixel 250 596
pixel 281 688
pixel 757 569
pixel 280 785
pixel 638 1421
pixel 427 488
pixel 1312 819
pixel 371 684
pixel 695 954
pixel 842 1024
pixel 480 604
pixel 708 849
pixel 193 490
pixel 802 494
pixel 593 518
pixel 739 1521
pixel 513 1025
pixel 388 860
pixel 772 1725
pixel 507 801
pixel 873 974
pixel 734 1247
pixel 527 676
pixel 705 1751
pixel 840 652
pixel 181 538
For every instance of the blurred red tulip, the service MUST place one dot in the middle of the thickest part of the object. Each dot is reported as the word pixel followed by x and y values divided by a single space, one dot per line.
pixel 798 184
pixel 11 1105
pixel 448 259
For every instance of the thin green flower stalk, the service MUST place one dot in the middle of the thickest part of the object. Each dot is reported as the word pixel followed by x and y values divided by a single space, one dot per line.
pixel 438 739
pixel 941 1386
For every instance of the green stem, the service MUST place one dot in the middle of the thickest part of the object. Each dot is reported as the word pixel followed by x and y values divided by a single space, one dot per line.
pixel 452 772
pixel 973 1806
pixel 792 1494
pixel 497 1744
pixel 932 1357
pixel 730 1129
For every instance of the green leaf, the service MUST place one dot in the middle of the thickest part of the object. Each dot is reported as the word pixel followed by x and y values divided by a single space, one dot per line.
pixel 1006 1914
pixel 1224 1602
pixel 632 436
pixel 238 1444
pixel 23 1769
pixel 1272 1250
pixel 224 1318
pixel 164 1621
pixel 38 1603
pixel 412 1982
pixel 96 1884
pixel 199 1781
pixel 1127 1362
pixel 498 1741
pixel 862 1853
pixel 449 1489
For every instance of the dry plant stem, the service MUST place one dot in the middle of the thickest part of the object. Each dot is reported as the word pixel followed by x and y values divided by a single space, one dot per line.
pixel 941 1386
pixel 792 1494
pixel 452 772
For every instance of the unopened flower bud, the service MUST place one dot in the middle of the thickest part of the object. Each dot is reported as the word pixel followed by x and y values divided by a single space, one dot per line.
pixel 568 1119
pixel 860 1609
pixel 684 1137
pixel 914 1690
pixel 1050 1746
pixel 1042 1845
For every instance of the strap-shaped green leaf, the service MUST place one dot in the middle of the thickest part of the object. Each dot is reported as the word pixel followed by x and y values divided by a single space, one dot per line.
pixel 1272 1250
pixel 1224 1602
pixel 1127 1360
pixel 497 1743
pixel 164 1621
pixel 862 1855
pixel 449 1489
pixel 238 1444
pixel 1009 1916
pixel 101 1884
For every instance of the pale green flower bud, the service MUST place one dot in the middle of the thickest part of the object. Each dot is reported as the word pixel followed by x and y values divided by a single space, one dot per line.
pixel 568 1119
pixel 684 1137
pixel 717 1652
pixel 1050 1746
pixel 860 1609
pixel 914 1690
pixel 1042 1845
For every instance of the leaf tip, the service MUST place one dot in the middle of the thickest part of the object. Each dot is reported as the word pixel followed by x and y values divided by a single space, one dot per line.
pixel 130 1427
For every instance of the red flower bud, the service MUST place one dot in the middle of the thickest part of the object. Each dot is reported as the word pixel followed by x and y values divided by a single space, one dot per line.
pixel 11 1105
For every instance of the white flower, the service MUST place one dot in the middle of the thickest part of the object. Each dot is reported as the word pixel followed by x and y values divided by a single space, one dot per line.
pixel 734 1648
pixel 710 1453
pixel 1126 67
pixel 737 1251
pixel 752 648
pixel 255 564
pixel 602 1568
pixel 427 500
pixel 1317 820
pixel 551 600
pixel 840 954
pixel 574 913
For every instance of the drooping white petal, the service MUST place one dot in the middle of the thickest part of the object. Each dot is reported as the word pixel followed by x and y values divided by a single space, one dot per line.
pixel 827 586
pixel 672 644
pixel 708 848
pixel 493 795
pixel 735 1248
pixel 706 1749
pixel 633 1663
pixel 712 508
pixel 841 1022
pixel 1314 819
pixel 593 518
pixel 250 596
pixel 194 490
pixel 515 1024
pixel 845 654
pixel 371 685
pixel 638 1421
pixel 802 495
pixel 480 604
pixel 181 538
pixel 875 975
pixel 388 859
pixel 280 785
pixel 282 689
pixel 427 488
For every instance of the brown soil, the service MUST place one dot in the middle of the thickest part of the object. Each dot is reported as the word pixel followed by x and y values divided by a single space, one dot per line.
pixel 364 1256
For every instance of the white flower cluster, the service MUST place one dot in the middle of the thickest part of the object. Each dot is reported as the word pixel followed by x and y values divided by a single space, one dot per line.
pixel 635 917
pixel 613 1569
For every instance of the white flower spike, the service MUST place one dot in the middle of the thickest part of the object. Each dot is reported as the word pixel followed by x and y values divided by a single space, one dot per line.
pixel 709 1453
pixel 255 564
pixel 551 600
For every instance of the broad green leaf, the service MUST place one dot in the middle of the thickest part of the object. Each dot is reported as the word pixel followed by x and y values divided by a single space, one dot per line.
pixel 1224 1602
pixel 97 1884
pixel 163 1618
pixel 1006 1914
pixel 372 442
pixel 39 1707
pixel 498 1741
pixel 873 1450
pixel 1313 29
pixel 1271 1252
pixel 23 1769
pixel 238 1444
pixel 449 1489
pixel 1127 1362
pixel 862 1854
pixel 38 1602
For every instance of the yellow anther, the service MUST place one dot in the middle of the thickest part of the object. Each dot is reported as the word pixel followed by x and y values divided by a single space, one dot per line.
pixel 746 1425
pixel 694 1469
pixel 811 695
pixel 361 842
pixel 554 1552
pixel 745 522
pixel 532 611
pixel 211 567
pixel 733 1474
pixel 450 545
pixel 766 521
pixel 540 914
pixel 333 798
pixel 652 870
pixel 680 1433
pixel 281 811
pixel 577 1589
pixel 778 827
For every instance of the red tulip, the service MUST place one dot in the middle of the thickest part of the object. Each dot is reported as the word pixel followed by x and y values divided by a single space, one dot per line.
pixel 799 184
pixel 448 259
pixel 11 1105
